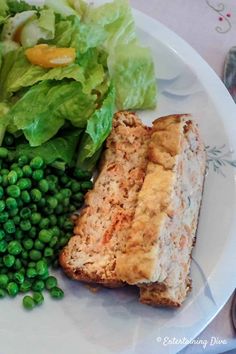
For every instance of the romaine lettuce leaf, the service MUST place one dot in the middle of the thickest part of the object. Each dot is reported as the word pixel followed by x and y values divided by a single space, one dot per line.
pixel 130 65
pixel 71 32
pixel 4 120
pixel 133 74
pixel 18 72
pixel 58 150
pixel 98 128
pixel 43 109
pixel 117 19
pixel 67 8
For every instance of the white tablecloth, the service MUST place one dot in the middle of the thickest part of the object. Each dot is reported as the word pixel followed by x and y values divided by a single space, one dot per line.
pixel 209 26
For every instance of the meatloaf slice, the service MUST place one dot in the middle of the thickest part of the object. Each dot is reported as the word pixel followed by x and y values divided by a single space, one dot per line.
pixel 156 253
pixel 109 208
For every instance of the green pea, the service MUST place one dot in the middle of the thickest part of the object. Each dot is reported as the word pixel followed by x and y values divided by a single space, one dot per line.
pixel 17 264
pixel 24 255
pixel 23 160
pixel 9 227
pixel 2 234
pixel 41 267
pixel 49 211
pixel 4 171
pixel 45 236
pixel 35 218
pixel 52 202
pixel 51 282
pixel 1 192
pixel 66 202
pixel 38 245
pixel 19 234
pixel 31 273
pixel 35 255
pixel 48 252
pixel 59 196
pixel 59 209
pixel 2 205
pixel 33 232
pixel 38 175
pixel 25 286
pixel 13 191
pixel 24 183
pixel 2 293
pixel 36 163
pixel 3 281
pixel 14 248
pixel 28 244
pixel 75 187
pixel 56 293
pixel 81 174
pixel 56 231
pixel 79 197
pixel 12 177
pixel 25 196
pixel 38 285
pixel 8 260
pixel 25 213
pixel 66 193
pixel 27 171
pixel 63 241
pixel 3 153
pixel 19 278
pixel 4 181
pixel 36 195
pixel 33 207
pixel 25 225
pixel 44 223
pixel 43 186
pixel 12 289
pixel 18 171
pixel 38 298
pixel 13 212
pixel 28 302
pixel 11 203
pixel 16 219
pixel 42 202
pixel 52 220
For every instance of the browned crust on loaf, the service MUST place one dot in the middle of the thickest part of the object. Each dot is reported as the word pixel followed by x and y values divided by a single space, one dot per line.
pixel 157 296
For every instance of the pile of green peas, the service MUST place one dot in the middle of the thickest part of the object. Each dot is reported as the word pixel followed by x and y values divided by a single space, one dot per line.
pixel 36 202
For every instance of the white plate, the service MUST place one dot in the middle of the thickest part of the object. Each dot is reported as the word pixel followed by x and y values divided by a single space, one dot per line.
pixel 112 321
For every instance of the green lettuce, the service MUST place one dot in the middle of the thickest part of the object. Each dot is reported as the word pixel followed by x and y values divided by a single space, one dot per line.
pixel 71 32
pixel 43 109
pixel 130 65
pixel 59 151
pixel 132 70
pixel 4 120
pixel 17 6
pixel 98 128
pixel 18 72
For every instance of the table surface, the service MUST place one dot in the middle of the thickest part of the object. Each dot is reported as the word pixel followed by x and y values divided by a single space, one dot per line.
pixel 209 26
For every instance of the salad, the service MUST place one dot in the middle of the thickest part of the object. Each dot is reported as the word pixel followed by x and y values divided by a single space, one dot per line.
pixel 65 68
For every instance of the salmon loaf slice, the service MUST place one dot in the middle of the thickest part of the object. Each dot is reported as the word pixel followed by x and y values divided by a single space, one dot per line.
pixel 157 250
pixel 109 208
